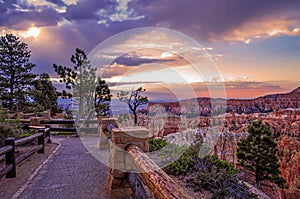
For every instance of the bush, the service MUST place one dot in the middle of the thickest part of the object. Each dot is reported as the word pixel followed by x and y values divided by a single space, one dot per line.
pixel 123 118
pixel 6 131
pixel 63 133
pixel 180 158
pixel 156 144
pixel 8 127
pixel 220 164
pixel 68 114
pixel 24 135
pixel 219 177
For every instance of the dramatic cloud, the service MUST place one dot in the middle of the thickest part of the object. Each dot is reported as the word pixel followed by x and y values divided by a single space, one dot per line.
pixel 231 20
pixel 121 13
pixel 263 28
pixel 211 19
pixel 173 91
pixel 54 28
pixel 136 60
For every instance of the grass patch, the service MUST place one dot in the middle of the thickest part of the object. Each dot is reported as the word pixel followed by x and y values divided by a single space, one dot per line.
pixel 63 133
pixel 24 135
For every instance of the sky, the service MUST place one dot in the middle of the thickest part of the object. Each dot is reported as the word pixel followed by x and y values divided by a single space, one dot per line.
pixel 217 48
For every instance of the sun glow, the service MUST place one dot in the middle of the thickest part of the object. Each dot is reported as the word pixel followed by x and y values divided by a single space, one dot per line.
pixel 31 32
pixel 166 54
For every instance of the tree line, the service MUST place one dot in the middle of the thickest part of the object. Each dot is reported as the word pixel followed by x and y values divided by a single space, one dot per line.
pixel 20 88
pixel 23 90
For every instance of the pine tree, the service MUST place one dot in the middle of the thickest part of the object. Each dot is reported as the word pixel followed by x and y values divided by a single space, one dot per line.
pixel 81 78
pixel 257 153
pixel 91 94
pixel 102 98
pixel 45 94
pixel 15 73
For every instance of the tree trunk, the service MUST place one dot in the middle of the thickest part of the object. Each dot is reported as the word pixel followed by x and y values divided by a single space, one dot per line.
pixel 135 118
pixel 257 176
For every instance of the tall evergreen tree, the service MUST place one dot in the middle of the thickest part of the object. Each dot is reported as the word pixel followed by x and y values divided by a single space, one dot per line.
pixel 45 95
pixel 91 94
pixel 81 79
pixel 102 98
pixel 257 153
pixel 15 73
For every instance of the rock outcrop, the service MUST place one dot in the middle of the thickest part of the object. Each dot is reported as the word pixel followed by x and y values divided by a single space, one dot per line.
pixel 289 155
pixel 205 106
pixel 226 146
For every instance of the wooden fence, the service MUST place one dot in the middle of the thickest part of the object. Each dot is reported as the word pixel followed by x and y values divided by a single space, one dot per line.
pixel 87 127
pixel 53 125
pixel 44 127
pixel 131 172
pixel 57 122
pixel 159 183
pixel 9 150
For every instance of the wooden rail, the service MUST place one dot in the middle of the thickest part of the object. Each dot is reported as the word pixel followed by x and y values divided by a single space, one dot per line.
pixel 43 136
pixel 58 121
pixel 27 115
pixel 61 129
pixel 161 185
pixel 72 122
pixel 132 173
pixel 27 139
pixel 49 123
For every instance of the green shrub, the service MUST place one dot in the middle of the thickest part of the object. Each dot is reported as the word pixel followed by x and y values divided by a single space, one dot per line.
pixel 3 114
pixel 220 164
pixel 8 127
pixel 24 135
pixel 63 133
pixel 6 130
pixel 180 158
pixel 218 177
pixel 156 144
pixel 68 114
pixel 123 118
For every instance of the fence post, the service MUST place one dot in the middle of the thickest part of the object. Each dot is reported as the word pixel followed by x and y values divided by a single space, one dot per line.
pixel 104 134
pixel 10 157
pixel 41 140
pixel 48 134
pixel 120 162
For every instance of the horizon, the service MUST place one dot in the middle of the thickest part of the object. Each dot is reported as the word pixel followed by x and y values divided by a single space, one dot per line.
pixel 174 100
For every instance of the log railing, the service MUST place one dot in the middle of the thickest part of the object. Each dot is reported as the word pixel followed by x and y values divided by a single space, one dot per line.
pixel 71 122
pixel 58 122
pixel 87 126
pixel 131 172
pixel 42 137
pixel 160 184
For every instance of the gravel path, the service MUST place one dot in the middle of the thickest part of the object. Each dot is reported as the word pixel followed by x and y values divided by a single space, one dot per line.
pixel 9 186
pixel 71 173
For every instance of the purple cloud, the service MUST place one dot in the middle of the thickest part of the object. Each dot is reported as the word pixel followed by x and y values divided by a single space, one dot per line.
pixel 211 18
pixel 201 19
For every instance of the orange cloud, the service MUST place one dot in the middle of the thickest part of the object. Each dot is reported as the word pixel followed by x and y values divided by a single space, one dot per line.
pixel 31 32
pixel 160 91
pixel 263 28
